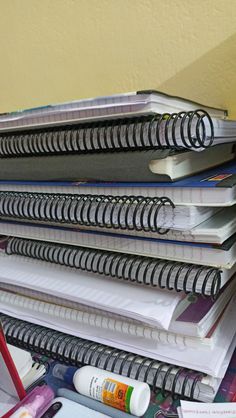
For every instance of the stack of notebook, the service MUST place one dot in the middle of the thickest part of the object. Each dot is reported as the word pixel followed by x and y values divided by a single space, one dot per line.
pixel 118 237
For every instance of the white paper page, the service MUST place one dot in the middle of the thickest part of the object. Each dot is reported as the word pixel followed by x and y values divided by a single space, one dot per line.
pixel 6 382
pixel 8 394
pixel 179 412
pixel 138 302
pixel 207 410
pixel 7 402
pixel 22 359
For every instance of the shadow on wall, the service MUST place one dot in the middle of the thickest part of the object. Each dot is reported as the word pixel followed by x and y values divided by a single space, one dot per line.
pixel 215 84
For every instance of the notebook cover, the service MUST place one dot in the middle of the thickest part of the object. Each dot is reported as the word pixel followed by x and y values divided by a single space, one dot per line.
pixel 196 310
pixel 221 176
pixel 112 100
pixel 120 167
pixel 199 306
pixel 228 244
pixel 41 171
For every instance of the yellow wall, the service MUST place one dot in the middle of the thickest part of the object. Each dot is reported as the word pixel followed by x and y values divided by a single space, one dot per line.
pixel 57 50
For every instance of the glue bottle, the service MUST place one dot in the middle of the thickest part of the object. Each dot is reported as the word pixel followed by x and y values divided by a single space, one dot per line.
pixel 120 392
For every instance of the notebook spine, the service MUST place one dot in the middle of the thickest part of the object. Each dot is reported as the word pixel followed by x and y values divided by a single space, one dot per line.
pixel 76 351
pixel 177 130
pixel 149 271
pixel 134 213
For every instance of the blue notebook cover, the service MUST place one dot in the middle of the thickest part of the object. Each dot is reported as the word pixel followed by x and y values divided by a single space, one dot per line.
pixel 221 176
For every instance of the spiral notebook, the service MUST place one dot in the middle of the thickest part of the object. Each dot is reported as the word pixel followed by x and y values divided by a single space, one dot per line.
pixel 187 130
pixel 215 255
pixel 215 230
pixel 151 306
pixel 136 302
pixel 196 319
pixel 125 104
pixel 81 320
pixel 133 213
pixel 126 335
pixel 74 350
pixel 215 187
pixel 137 269
pixel 184 130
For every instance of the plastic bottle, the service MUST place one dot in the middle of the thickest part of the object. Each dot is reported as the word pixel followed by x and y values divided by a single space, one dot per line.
pixel 64 373
pixel 121 392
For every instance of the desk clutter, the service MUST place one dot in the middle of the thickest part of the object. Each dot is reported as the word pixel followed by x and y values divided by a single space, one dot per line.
pixel 118 257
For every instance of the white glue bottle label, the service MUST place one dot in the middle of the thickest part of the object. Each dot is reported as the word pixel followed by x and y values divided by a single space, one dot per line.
pixel 118 391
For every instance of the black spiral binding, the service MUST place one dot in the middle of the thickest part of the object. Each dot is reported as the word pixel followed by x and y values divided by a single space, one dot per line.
pixel 133 213
pixel 77 351
pixel 142 270
pixel 177 130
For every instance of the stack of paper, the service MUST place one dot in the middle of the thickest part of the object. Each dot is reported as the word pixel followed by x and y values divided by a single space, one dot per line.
pixel 146 268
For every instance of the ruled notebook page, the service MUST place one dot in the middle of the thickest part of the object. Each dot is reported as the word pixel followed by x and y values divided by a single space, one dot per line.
pixel 152 306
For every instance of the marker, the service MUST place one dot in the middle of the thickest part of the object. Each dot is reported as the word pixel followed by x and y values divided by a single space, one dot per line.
pixel 35 403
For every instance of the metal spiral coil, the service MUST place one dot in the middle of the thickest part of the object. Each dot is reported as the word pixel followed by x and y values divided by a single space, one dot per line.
pixel 176 131
pixel 76 351
pixel 133 213
pixel 150 271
